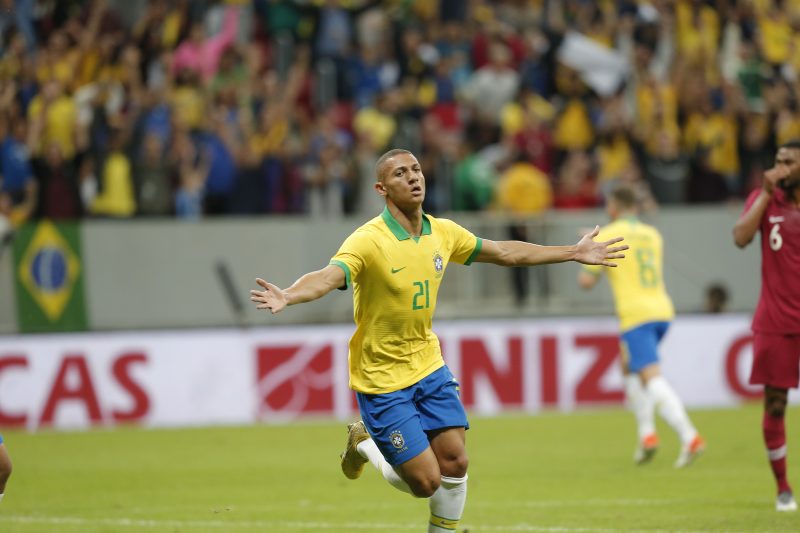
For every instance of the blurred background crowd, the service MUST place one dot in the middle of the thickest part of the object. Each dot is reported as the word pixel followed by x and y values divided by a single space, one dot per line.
pixel 125 108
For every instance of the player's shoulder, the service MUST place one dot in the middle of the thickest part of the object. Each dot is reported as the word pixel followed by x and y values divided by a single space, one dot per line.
pixel 639 225
pixel 368 231
pixel 647 226
pixel 752 195
pixel 439 225
pixel 615 228
pixel 437 220
pixel 649 232
pixel 629 228
pixel 611 225
pixel 776 200
pixel 371 225
pixel 445 224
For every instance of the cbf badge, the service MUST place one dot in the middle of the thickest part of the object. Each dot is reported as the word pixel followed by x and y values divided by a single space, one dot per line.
pixel 438 264
pixel 397 439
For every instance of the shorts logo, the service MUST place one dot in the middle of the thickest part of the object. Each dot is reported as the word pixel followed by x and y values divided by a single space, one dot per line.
pixel 438 264
pixel 397 439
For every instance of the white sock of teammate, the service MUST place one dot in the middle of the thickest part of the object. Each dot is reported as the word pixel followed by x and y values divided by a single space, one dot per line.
pixel 641 404
pixel 671 408
pixel 447 504
pixel 369 450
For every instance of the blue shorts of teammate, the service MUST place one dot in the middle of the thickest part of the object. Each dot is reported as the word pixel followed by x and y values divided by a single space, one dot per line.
pixel 640 344
pixel 399 422
pixel 1 439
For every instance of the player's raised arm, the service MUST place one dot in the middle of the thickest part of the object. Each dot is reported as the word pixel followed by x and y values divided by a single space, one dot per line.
pixel 518 253
pixel 309 287
pixel 747 226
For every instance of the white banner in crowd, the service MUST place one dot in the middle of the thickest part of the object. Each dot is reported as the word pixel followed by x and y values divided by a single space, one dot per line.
pixel 181 378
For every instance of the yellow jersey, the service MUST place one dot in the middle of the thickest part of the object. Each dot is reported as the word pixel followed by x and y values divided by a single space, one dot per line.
pixel 637 282
pixel 59 123
pixel 395 280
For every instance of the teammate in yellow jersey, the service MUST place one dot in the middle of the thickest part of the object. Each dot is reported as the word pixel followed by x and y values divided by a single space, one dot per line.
pixel 645 310
pixel 413 423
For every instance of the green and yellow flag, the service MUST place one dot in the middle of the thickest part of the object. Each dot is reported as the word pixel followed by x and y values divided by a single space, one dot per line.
pixel 49 278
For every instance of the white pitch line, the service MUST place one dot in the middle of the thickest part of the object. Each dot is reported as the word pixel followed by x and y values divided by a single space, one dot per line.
pixel 242 524
pixel 262 525
pixel 306 505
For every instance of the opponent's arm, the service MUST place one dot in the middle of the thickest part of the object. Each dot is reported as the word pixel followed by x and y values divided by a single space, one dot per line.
pixel 746 227
pixel 518 253
pixel 309 287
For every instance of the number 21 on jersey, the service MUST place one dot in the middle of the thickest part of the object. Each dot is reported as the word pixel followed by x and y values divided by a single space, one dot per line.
pixel 422 296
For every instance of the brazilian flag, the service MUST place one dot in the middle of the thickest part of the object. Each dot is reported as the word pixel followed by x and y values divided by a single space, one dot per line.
pixel 49 277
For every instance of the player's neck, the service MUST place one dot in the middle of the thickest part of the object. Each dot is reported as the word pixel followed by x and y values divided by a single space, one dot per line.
pixel 410 218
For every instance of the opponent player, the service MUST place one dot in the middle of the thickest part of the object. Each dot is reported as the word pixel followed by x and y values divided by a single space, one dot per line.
pixel 5 468
pixel 645 310
pixel 413 428
pixel 774 212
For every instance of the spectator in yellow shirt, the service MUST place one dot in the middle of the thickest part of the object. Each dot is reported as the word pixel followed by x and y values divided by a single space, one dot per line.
pixel 56 114
pixel 116 198
pixel 524 189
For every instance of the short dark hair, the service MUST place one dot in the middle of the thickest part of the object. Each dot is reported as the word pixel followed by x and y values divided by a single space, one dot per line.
pixel 388 155
pixel 624 195
pixel 792 143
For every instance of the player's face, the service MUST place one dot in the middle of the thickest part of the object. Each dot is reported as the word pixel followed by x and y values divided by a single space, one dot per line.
pixel 789 158
pixel 403 182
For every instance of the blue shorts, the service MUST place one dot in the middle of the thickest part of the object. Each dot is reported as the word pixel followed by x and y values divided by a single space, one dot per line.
pixel 640 344
pixel 399 421
pixel 1 439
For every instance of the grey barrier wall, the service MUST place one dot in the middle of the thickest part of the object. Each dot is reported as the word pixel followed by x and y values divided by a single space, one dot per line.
pixel 146 274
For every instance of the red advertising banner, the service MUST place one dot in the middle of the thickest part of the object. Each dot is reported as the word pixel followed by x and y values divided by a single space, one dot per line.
pixel 274 375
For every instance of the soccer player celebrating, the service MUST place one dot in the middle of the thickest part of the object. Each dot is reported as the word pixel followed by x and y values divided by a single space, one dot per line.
pixel 773 212
pixel 645 311
pixel 413 423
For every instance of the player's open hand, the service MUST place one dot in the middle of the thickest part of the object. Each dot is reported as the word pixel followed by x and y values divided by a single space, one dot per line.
pixel 590 252
pixel 272 297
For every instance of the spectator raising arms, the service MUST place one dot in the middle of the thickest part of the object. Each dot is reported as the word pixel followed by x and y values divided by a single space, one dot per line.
pixel 465 85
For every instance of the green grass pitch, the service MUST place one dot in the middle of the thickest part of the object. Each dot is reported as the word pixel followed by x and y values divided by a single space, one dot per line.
pixel 549 473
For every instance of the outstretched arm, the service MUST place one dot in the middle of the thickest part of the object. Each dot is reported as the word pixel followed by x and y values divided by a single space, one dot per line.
pixel 309 287
pixel 518 253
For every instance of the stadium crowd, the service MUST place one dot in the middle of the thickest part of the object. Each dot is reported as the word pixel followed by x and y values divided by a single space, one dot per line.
pixel 193 108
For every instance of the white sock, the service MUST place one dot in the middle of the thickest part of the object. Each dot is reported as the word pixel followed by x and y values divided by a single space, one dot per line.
pixel 1 496
pixel 369 450
pixel 671 408
pixel 447 504
pixel 640 403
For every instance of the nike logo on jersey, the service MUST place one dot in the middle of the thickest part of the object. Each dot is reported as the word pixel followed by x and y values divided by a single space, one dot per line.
pixel 396 270
pixel 775 220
